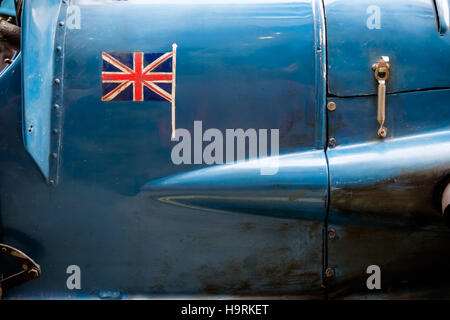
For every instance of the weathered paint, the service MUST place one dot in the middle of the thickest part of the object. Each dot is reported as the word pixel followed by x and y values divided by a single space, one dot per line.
pixel 38 78
pixel 138 225
pixel 298 190
pixel 407 114
pixel 408 33
pixel 230 74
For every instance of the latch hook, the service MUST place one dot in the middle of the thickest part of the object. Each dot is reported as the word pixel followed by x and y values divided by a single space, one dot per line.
pixel 381 70
pixel 30 269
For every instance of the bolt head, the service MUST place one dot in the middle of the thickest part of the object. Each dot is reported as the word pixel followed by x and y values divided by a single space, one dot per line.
pixel 331 106
pixel 332 142
pixel 329 272
pixel 332 233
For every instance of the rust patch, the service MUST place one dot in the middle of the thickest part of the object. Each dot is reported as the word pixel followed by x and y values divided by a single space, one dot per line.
pixel 288 274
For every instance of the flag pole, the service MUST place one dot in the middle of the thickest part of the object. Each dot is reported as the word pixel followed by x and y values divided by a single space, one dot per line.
pixel 174 72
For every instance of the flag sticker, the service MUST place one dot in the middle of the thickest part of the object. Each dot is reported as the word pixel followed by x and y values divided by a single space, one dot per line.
pixel 139 76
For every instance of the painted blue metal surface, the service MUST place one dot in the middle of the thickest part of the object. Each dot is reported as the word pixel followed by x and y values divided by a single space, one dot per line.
pixel 298 190
pixel 384 205
pixel 396 179
pixel 320 44
pixel 243 83
pixel 38 35
pixel 230 74
pixel 8 8
pixel 412 113
pixel 387 213
pixel 407 33
pixel 138 224
pixel 443 11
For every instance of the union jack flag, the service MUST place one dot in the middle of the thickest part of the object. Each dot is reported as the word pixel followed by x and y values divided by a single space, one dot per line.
pixel 139 76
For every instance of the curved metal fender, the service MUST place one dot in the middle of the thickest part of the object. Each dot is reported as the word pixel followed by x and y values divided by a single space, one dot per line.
pixel 395 182
pixel 297 190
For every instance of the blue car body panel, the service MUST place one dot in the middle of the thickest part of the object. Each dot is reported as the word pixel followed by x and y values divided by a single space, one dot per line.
pixel 38 76
pixel 112 158
pixel 385 193
pixel 93 183
pixel 407 32
pixel 7 8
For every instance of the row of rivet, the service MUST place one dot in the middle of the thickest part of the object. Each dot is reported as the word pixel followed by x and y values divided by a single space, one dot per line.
pixel 331 106
pixel 59 37
pixel 330 272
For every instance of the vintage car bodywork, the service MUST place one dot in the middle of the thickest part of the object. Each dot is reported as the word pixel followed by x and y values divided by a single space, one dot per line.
pixel 91 183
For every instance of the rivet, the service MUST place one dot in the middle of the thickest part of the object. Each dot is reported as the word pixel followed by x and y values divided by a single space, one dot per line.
pixel 52 182
pixel 4 249
pixel 332 233
pixel 54 156
pixel 56 106
pixel 331 106
pixel 57 81
pixel 58 48
pixel 61 23
pixel 332 142
pixel 7 60
pixel 329 273
pixel 55 131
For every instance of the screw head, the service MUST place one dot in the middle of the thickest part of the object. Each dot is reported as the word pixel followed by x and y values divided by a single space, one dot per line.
pixel 332 233
pixel 332 142
pixel 329 272
pixel 58 48
pixel 56 106
pixel 331 106
pixel 61 23
pixel 57 81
